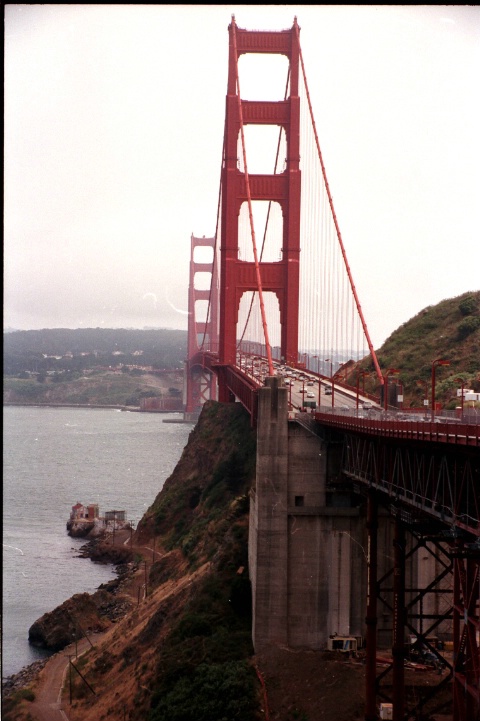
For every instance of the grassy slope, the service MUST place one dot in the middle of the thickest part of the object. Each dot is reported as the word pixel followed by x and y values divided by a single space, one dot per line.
pixel 436 332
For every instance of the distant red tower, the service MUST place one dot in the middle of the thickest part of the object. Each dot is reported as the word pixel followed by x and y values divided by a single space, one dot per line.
pixel 202 336
pixel 236 276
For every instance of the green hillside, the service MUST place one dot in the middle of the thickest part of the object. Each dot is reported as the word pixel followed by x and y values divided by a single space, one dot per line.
pixel 448 331
pixel 66 349
pixel 92 366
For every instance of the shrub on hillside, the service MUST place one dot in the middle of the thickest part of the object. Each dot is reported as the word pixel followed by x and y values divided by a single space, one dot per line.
pixel 468 305
pixel 212 692
pixel 467 326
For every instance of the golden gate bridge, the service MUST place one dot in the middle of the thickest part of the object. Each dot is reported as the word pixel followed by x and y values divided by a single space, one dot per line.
pixel 272 292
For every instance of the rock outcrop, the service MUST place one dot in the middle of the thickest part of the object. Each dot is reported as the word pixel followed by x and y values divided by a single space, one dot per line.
pixel 80 528
pixel 79 616
pixel 58 628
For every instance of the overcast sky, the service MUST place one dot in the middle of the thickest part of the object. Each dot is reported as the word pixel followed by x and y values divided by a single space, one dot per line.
pixel 113 139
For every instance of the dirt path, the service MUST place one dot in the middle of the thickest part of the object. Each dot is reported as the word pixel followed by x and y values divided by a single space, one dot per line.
pixel 47 705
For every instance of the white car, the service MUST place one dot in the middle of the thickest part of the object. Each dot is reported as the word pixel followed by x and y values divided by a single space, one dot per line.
pixel 310 394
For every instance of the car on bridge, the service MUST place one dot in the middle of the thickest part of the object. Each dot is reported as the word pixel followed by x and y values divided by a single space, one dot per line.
pixel 328 391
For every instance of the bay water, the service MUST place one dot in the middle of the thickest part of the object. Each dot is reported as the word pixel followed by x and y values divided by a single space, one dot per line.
pixel 52 459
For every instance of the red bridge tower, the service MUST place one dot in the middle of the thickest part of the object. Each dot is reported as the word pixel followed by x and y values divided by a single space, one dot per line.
pixel 236 276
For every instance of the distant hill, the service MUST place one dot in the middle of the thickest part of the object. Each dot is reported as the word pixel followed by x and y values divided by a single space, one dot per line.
pixel 62 349
pixel 449 330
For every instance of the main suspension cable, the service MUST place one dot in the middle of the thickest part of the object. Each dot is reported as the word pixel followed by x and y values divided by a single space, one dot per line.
pixel 337 228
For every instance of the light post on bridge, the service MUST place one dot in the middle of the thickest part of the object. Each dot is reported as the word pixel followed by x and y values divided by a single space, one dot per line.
pixel 437 362
pixel 460 380
pixel 425 397
pixel 362 374
pixel 390 371
pixel 328 360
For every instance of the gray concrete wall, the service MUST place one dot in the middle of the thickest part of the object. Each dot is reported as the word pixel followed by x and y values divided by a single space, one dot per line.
pixel 306 558
pixel 268 560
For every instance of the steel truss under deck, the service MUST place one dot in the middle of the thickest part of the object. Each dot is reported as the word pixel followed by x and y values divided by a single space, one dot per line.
pixel 433 481
pixel 433 496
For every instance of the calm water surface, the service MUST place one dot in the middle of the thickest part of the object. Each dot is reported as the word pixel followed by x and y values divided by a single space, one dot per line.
pixel 52 458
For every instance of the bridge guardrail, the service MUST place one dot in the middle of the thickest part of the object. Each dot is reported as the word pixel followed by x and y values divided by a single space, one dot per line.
pixel 388 423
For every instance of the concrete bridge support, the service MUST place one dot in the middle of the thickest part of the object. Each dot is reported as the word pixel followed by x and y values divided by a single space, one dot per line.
pixel 307 548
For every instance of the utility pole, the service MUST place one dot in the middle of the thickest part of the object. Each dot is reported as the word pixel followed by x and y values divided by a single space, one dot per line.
pixel 131 532
pixel 70 676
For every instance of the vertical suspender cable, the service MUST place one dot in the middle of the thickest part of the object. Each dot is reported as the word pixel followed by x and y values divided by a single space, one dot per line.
pixel 250 213
pixel 339 236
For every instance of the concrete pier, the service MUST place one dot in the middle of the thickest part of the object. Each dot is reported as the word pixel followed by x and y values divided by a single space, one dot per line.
pixel 306 549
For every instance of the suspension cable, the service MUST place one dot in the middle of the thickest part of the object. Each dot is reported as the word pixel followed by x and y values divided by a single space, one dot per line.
pixel 250 213
pixel 337 228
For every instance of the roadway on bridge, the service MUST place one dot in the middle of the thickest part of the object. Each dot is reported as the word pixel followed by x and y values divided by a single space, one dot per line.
pixel 305 386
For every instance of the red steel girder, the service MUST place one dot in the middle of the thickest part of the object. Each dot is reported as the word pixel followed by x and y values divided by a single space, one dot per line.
pixel 427 478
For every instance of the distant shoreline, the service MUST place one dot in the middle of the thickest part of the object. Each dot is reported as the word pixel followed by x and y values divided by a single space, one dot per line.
pixel 130 409
pixel 71 405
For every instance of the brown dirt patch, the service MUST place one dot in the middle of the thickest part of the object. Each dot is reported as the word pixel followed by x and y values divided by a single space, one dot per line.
pixel 312 686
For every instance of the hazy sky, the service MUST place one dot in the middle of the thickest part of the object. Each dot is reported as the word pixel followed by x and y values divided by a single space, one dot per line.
pixel 113 139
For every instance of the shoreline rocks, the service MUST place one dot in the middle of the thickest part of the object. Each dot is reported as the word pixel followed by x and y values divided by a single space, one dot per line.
pixel 79 616
pixel 86 613
pixel 23 678
pixel 108 605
